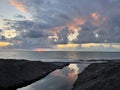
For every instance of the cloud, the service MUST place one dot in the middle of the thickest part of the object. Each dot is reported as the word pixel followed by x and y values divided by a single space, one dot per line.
pixel 90 21
pixel 30 33
pixel 28 25
pixel 35 34
pixel 95 16
pixel 18 5
pixel 18 16
pixel 62 36
pixel 4 44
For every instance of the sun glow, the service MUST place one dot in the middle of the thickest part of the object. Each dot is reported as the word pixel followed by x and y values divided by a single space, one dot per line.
pixel 9 33
pixel 62 46
pixel 4 44
pixel 116 46
pixel 88 45
pixel 39 49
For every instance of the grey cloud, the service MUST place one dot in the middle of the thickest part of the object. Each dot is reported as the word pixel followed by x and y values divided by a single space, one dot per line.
pixel 62 36
pixel 34 34
pixel 31 33
pixel 47 14
pixel 2 38
pixel 51 11
pixel 88 32
pixel 112 32
pixel 28 25
pixel 30 43
pixel 1 30
pixel 18 16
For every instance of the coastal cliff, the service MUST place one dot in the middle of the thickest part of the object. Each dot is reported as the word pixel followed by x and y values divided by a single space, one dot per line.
pixel 19 73
pixel 99 76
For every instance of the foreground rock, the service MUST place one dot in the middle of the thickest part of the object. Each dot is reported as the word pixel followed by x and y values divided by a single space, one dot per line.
pixel 104 76
pixel 19 73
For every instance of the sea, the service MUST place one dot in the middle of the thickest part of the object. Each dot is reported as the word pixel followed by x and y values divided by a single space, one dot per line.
pixel 60 79
pixel 60 56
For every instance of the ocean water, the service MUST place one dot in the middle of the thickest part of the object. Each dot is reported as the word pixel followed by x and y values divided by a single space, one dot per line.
pixel 61 79
pixel 50 56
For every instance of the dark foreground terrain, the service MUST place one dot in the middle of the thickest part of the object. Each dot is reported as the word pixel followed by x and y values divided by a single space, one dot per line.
pixel 99 76
pixel 19 73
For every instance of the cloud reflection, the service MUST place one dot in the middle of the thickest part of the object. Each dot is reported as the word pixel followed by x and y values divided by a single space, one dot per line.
pixel 58 80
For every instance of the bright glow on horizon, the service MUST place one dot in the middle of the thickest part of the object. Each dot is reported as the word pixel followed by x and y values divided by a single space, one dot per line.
pixel 63 46
pixel 88 45
pixel 81 47
pixel 4 44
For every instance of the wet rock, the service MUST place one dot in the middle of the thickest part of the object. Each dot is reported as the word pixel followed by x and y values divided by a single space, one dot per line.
pixel 99 76
pixel 19 73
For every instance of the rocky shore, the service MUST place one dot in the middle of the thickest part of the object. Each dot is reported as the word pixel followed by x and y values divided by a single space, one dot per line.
pixel 99 76
pixel 19 73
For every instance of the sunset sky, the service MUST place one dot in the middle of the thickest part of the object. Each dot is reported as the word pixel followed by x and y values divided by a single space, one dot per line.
pixel 59 24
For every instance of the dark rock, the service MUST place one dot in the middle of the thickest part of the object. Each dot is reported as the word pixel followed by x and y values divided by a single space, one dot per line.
pixel 99 76
pixel 19 73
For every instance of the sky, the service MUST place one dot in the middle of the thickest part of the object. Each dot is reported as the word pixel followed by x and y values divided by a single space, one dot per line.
pixel 57 24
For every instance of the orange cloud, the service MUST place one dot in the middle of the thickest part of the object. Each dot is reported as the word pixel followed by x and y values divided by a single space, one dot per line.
pixel 4 44
pixel 76 21
pixel 18 5
pixel 95 16
pixel 98 19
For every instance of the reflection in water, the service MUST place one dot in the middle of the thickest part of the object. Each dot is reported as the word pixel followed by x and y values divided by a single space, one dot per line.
pixel 59 79
pixel 74 70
